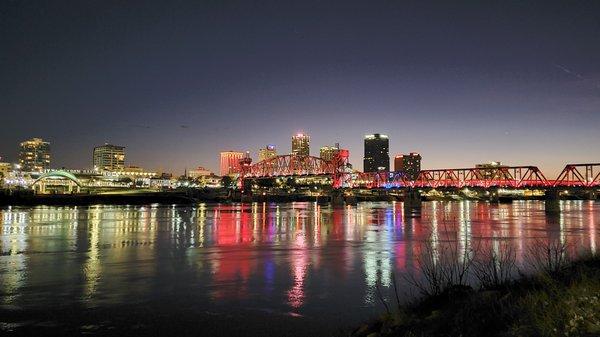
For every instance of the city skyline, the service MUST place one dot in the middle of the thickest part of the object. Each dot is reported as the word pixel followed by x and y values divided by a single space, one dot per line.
pixel 255 155
pixel 512 82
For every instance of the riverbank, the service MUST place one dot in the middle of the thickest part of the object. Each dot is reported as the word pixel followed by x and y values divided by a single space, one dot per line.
pixel 557 301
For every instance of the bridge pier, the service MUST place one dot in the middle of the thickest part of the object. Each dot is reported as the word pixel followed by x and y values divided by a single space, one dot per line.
pixel 412 203
pixel 337 197
pixel 591 194
pixel 246 191
pixel 493 196
pixel 552 201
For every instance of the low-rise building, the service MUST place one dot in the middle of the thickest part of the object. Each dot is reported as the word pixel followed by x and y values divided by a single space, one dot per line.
pixel 198 172
pixel 267 152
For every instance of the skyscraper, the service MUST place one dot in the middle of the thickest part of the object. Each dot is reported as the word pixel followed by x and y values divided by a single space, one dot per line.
pixel 34 155
pixel 301 144
pixel 377 156
pixel 329 152
pixel 267 152
pixel 410 164
pixel 230 162
pixel 109 157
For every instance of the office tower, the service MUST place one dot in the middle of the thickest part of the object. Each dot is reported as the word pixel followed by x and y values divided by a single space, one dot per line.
pixel 267 152
pixel 230 162
pixel 377 157
pixel 109 157
pixel 329 152
pixel 301 144
pixel 410 164
pixel 34 155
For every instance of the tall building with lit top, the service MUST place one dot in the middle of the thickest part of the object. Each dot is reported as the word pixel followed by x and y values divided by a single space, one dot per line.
pixel 230 162
pixel 301 144
pixel 410 164
pixel 267 152
pixel 377 153
pixel 34 155
pixel 109 157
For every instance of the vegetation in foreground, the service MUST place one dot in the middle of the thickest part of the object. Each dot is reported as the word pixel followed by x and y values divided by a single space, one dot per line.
pixel 562 298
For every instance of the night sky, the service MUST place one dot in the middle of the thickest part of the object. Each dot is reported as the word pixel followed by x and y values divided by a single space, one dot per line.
pixel 176 82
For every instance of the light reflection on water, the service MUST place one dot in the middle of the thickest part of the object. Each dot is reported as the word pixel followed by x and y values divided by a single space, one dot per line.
pixel 303 258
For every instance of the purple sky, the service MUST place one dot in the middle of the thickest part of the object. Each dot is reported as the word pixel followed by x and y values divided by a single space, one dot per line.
pixel 176 82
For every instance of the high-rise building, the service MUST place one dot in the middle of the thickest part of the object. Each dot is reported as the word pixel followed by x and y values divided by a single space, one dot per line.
pixel 109 157
pixel 329 152
pixel 301 144
pixel 230 162
pixel 377 156
pixel 267 152
pixel 34 155
pixel 410 164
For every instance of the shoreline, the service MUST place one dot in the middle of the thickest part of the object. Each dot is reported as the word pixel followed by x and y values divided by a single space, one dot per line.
pixel 560 301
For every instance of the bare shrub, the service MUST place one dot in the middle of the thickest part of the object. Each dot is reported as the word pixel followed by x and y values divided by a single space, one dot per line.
pixel 381 298
pixel 550 257
pixel 442 267
pixel 496 267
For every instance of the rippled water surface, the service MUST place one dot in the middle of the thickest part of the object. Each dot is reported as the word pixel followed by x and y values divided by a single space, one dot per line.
pixel 289 268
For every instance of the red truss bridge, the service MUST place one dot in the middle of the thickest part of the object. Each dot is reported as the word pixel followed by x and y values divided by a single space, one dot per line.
pixel 579 175
pixel 289 165
pixel 573 175
pixel 513 177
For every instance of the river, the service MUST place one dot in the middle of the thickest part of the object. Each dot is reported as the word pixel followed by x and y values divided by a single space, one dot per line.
pixel 284 269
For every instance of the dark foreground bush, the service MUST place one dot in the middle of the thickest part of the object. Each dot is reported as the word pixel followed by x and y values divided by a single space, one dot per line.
pixel 565 302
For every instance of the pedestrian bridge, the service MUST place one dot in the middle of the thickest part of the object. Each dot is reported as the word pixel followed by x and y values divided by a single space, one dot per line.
pixel 56 178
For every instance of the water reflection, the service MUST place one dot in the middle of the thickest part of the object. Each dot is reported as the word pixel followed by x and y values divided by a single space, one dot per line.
pixel 305 258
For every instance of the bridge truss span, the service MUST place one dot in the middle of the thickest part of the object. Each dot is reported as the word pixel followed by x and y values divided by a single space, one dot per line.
pixel 579 175
pixel 289 165
pixel 502 176
pixel 573 175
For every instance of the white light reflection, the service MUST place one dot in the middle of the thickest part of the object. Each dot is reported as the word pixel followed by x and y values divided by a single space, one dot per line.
pixel 464 229
pixel 92 267
pixel 13 242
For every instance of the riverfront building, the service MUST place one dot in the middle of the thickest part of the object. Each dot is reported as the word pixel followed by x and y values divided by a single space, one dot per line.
pixel 198 172
pixel 489 170
pixel 5 169
pixel 267 152
pixel 301 144
pixel 230 162
pixel 410 164
pixel 377 154
pixel 34 155
pixel 109 157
